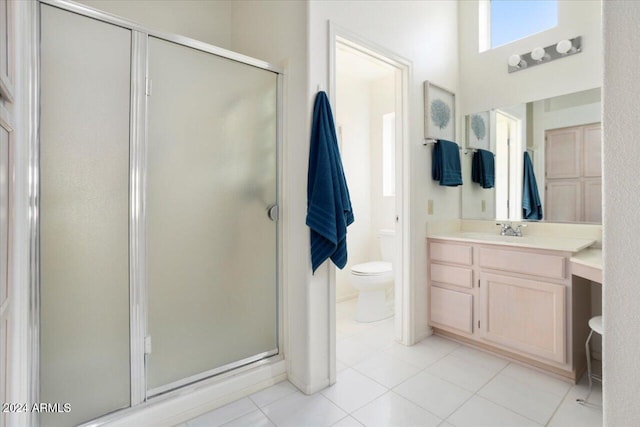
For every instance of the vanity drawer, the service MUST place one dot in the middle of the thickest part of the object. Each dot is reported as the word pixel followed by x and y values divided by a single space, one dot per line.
pixel 449 252
pixel 458 276
pixel 452 309
pixel 535 264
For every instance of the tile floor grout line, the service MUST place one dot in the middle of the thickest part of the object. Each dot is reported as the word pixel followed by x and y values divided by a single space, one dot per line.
pixel 333 403
pixel 475 393
pixel 359 407
pixel 537 373
pixel 555 411
pixel 512 410
pixel 384 385
pixel 267 416
pixel 493 377
pixel 344 418
pixel 279 398
pixel 424 369
pixel 419 406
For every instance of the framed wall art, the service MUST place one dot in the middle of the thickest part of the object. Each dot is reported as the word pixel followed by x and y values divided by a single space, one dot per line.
pixel 439 112
pixel 478 130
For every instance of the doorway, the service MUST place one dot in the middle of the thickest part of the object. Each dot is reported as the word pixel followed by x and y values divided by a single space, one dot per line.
pixel 508 166
pixel 369 92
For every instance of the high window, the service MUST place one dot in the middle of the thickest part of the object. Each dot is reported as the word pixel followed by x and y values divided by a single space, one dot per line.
pixel 504 21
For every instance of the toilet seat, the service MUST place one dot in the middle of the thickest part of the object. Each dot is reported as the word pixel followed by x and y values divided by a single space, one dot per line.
pixel 375 268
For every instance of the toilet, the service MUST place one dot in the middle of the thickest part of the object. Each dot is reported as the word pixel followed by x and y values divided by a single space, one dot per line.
pixel 373 279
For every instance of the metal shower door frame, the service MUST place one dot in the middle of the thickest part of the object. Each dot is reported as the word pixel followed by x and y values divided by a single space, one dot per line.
pixel 138 144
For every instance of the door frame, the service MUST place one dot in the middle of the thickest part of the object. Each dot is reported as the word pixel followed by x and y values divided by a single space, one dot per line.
pixel 404 292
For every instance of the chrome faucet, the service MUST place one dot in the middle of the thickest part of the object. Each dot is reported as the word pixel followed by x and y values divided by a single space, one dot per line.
pixel 507 230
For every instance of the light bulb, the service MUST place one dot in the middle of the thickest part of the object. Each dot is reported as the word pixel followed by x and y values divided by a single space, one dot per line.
pixel 538 54
pixel 564 46
pixel 514 60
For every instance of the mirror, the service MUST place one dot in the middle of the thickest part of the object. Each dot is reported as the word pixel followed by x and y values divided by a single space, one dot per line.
pixel 562 137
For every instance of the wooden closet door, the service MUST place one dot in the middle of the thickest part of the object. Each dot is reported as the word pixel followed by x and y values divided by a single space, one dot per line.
pixel 593 200
pixel 563 200
pixel 592 151
pixel 562 153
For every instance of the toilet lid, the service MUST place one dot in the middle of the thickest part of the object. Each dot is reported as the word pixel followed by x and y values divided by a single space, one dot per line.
pixel 372 268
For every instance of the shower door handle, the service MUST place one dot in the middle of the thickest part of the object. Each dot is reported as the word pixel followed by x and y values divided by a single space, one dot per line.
pixel 272 211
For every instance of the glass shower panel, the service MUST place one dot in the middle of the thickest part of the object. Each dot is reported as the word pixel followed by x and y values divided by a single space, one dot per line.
pixel 212 286
pixel 84 216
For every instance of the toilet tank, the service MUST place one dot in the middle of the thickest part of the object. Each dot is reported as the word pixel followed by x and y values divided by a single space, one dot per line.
pixel 387 244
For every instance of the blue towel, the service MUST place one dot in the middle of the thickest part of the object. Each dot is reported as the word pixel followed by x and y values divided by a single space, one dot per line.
pixel 328 204
pixel 483 168
pixel 445 163
pixel 531 206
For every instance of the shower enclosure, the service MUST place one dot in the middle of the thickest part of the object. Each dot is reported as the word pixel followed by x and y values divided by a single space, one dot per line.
pixel 158 232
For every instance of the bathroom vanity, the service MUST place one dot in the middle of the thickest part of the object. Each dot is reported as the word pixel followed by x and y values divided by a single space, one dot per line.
pixel 515 296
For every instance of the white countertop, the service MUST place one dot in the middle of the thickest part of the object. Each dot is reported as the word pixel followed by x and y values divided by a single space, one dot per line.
pixel 589 258
pixel 565 244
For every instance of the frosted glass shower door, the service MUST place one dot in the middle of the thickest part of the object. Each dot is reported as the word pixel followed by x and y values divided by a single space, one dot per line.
pixel 84 216
pixel 211 246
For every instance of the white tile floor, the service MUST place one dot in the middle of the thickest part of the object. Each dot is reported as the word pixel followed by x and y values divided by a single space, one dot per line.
pixel 433 383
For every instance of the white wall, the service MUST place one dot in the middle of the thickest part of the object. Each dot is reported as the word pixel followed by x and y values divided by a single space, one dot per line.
pixel 207 21
pixel 621 212
pixel 277 31
pixel 485 82
pixel 383 209
pixel 353 116
pixel 424 33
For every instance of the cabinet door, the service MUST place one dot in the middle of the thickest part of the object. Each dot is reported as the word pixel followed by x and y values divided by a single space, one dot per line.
pixel 563 200
pixel 593 200
pixel 562 153
pixel 455 253
pixel 592 151
pixel 452 309
pixel 457 276
pixel 524 316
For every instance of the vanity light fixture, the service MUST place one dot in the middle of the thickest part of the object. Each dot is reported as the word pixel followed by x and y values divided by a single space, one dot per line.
pixel 516 61
pixel 564 47
pixel 541 55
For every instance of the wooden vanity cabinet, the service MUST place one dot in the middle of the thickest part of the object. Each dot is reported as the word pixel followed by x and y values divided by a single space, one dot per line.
pixel 510 300
pixel 452 292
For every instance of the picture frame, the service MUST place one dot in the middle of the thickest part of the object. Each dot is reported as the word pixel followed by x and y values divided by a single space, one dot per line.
pixel 479 130
pixel 439 112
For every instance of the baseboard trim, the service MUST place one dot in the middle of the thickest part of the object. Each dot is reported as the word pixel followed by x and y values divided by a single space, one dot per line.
pixel 308 389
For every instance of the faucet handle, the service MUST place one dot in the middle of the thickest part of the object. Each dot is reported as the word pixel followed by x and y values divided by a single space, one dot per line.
pixel 518 231
pixel 504 227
